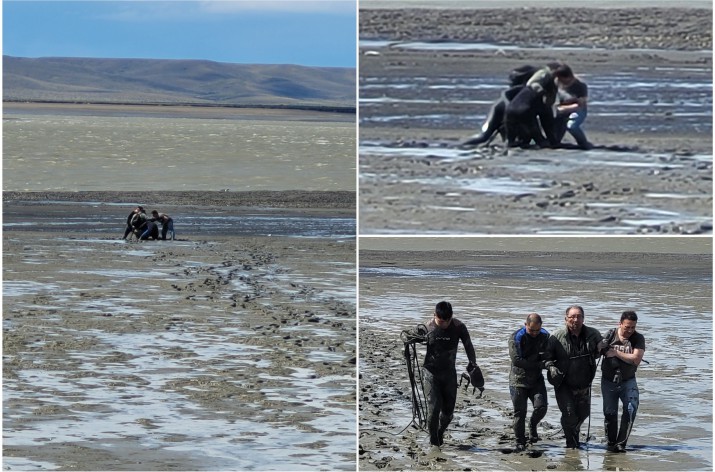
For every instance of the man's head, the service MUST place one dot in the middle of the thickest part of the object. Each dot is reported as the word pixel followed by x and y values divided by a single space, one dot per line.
pixel 629 319
pixel 154 213
pixel 574 319
pixel 533 324
pixel 443 314
pixel 564 75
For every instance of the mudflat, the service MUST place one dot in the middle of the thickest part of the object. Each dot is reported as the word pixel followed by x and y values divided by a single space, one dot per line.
pixel 225 349
pixel 427 85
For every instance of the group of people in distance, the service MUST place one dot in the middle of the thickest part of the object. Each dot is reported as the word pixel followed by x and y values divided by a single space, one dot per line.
pixel 570 356
pixel 540 106
pixel 145 228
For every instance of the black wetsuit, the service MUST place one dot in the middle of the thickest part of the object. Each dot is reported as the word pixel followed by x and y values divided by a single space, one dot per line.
pixel 440 374
pixel 526 382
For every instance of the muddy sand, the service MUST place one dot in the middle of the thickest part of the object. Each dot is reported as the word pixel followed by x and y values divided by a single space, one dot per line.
pixel 428 78
pixel 222 350
pixel 492 286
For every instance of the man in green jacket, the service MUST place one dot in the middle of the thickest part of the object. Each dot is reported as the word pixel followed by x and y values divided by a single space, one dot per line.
pixel 527 349
pixel 574 350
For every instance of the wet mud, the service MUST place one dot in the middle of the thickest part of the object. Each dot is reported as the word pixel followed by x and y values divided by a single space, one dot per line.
pixel 217 351
pixel 492 290
pixel 423 93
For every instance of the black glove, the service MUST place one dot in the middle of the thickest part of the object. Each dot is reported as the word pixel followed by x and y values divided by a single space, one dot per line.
pixel 554 376
pixel 476 378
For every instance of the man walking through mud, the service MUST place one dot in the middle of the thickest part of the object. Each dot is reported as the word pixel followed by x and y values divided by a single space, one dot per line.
pixel 439 368
pixel 527 349
pixel 624 354
pixel 574 350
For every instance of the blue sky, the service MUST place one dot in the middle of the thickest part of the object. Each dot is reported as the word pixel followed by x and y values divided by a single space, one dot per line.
pixel 311 33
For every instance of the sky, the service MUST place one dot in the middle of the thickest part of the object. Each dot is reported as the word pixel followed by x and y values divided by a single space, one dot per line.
pixel 310 33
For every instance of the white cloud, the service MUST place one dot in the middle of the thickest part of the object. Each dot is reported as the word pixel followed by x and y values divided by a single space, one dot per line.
pixel 298 6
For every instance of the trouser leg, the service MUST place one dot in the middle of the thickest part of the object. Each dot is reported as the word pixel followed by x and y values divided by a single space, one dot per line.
pixel 573 125
pixel 494 121
pixel 449 400
pixel 540 402
pixel 569 418
pixel 610 392
pixel 631 399
pixel 519 398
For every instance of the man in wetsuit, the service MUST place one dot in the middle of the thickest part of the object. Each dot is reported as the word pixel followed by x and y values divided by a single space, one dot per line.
pixel 574 350
pixel 439 368
pixel 624 353
pixel 527 349
pixel 138 221
pixel 129 229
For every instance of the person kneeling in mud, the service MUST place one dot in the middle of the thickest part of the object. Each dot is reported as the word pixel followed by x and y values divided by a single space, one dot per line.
pixel 150 231
pixel 539 81
pixel 439 368
pixel 527 349
pixel 623 355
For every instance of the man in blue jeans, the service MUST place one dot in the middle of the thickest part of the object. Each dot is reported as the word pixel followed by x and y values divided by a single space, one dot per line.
pixel 527 349
pixel 618 379
pixel 573 106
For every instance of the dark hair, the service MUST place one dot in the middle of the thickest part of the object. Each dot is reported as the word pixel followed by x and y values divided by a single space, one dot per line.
pixel 629 315
pixel 533 318
pixel 580 308
pixel 554 65
pixel 563 71
pixel 443 310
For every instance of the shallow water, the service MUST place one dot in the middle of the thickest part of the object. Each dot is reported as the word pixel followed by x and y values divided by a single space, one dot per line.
pixel 659 100
pixel 93 220
pixel 77 152
pixel 673 430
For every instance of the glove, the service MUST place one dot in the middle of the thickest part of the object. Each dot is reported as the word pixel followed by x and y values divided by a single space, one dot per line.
pixel 475 377
pixel 555 376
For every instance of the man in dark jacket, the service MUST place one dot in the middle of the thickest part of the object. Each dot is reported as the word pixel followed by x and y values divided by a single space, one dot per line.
pixel 527 349
pixel 574 350
pixel 439 369
pixel 624 354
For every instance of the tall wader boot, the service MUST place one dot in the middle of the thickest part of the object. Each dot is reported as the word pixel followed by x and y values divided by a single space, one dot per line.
pixel 610 424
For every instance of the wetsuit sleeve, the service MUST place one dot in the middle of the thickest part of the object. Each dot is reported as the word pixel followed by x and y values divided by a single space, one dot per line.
pixel 468 346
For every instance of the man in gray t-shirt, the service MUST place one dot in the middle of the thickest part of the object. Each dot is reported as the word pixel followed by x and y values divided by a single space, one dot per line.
pixel 572 109
pixel 618 379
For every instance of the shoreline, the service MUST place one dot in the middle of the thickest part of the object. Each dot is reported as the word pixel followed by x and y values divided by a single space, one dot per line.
pixel 185 110
pixel 288 199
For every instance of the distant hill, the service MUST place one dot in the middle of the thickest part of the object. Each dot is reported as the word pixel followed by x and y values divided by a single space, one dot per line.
pixel 89 80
